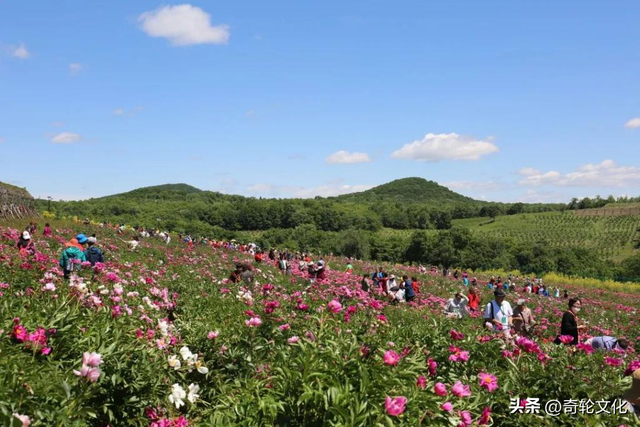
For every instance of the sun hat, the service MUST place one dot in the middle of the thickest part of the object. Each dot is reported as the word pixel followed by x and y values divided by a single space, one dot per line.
pixel 81 238
pixel 633 394
pixel 521 302
pixel 92 240
pixel 498 293
pixel 26 235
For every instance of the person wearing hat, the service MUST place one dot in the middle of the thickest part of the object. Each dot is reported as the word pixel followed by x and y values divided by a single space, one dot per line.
pixel 498 315
pixel 81 238
pixel 632 396
pixel 523 320
pixel 25 244
pixel 456 307
pixel 71 257
pixel 93 253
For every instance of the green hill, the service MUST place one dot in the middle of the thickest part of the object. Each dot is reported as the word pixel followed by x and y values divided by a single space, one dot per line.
pixel 166 191
pixel 408 190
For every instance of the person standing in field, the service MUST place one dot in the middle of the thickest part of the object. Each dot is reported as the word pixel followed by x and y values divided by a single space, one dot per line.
pixel 407 285
pixel 570 325
pixel 93 254
pixel 498 315
pixel 474 299
pixel 47 230
pixel 523 320
pixel 71 258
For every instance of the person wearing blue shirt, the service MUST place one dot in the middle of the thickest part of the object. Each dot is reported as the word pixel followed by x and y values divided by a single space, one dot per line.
pixel 409 294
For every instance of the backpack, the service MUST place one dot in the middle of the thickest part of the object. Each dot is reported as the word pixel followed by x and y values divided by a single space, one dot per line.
pixel 71 266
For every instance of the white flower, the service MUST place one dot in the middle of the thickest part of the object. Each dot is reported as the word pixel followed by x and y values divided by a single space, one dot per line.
pixel 164 327
pixel 186 353
pixel 174 362
pixel 176 396
pixel 193 393
pixel 202 369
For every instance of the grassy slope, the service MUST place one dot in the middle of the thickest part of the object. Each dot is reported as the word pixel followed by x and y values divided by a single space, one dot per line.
pixel 612 236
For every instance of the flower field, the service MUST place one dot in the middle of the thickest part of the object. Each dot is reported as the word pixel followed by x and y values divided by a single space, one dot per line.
pixel 158 337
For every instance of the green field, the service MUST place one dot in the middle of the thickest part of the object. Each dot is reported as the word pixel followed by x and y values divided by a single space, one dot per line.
pixel 613 237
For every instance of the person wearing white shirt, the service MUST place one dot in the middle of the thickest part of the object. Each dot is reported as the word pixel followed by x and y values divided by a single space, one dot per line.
pixel 498 314
pixel 456 307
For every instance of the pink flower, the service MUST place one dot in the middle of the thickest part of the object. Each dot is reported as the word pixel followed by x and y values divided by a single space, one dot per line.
pixel 447 406
pixel 490 382
pixel 633 366
pixel 460 390
pixel 587 348
pixel 24 419
pixel 213 335
pixel 458 354
pixel 566 339
pixel 284 327
pixel 334 306
pixel 253 322
pixel 93 374
pixel 421 382
pixel 91 359
pixel 440 389
pixel 456 335
pixel 294 339
pixel 432 367
pixel 465 419
pixel 485 417
pixel 612 361
pixel 395 406
pixel 391 358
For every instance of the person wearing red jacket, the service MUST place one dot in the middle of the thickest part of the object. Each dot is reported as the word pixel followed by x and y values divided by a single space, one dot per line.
pixel 474 299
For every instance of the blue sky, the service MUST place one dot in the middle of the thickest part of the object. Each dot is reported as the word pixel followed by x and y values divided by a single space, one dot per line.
pixel 499 100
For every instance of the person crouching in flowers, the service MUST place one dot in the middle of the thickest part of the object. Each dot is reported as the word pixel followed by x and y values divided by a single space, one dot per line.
pixel 456 307
pixel 72 257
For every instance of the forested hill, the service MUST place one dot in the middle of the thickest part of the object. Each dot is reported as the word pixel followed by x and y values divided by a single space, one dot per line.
pixel 409 190
pixel 411 203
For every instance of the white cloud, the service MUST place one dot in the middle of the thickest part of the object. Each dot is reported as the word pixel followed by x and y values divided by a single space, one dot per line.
pixel 451 146
pixel 75 68
pixel 633 123
pixel 66 138
pixel 534 196
pixel 529 171
pixel 118 111
pixel 605 174
pixel 20 52
pixel 344 157
pixel 327 190
pixel 474 185
pixel 183 25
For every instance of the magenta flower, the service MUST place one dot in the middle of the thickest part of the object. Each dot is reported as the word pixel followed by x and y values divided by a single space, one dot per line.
pixel 490 382
pixel 334 306
pixel 432 367
pixel 633 366
pixel 456 335
pixel 440 389
pixel 587 348
pixel 465 419
pixel 612 361
pixel 485 417
pixel 395 406
pixel 391 358
pixel 460 390
pixel 213 335
pixel 566 339
pixel 294 339
pixel 421 382
pixel 284 327
pixel 447 406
